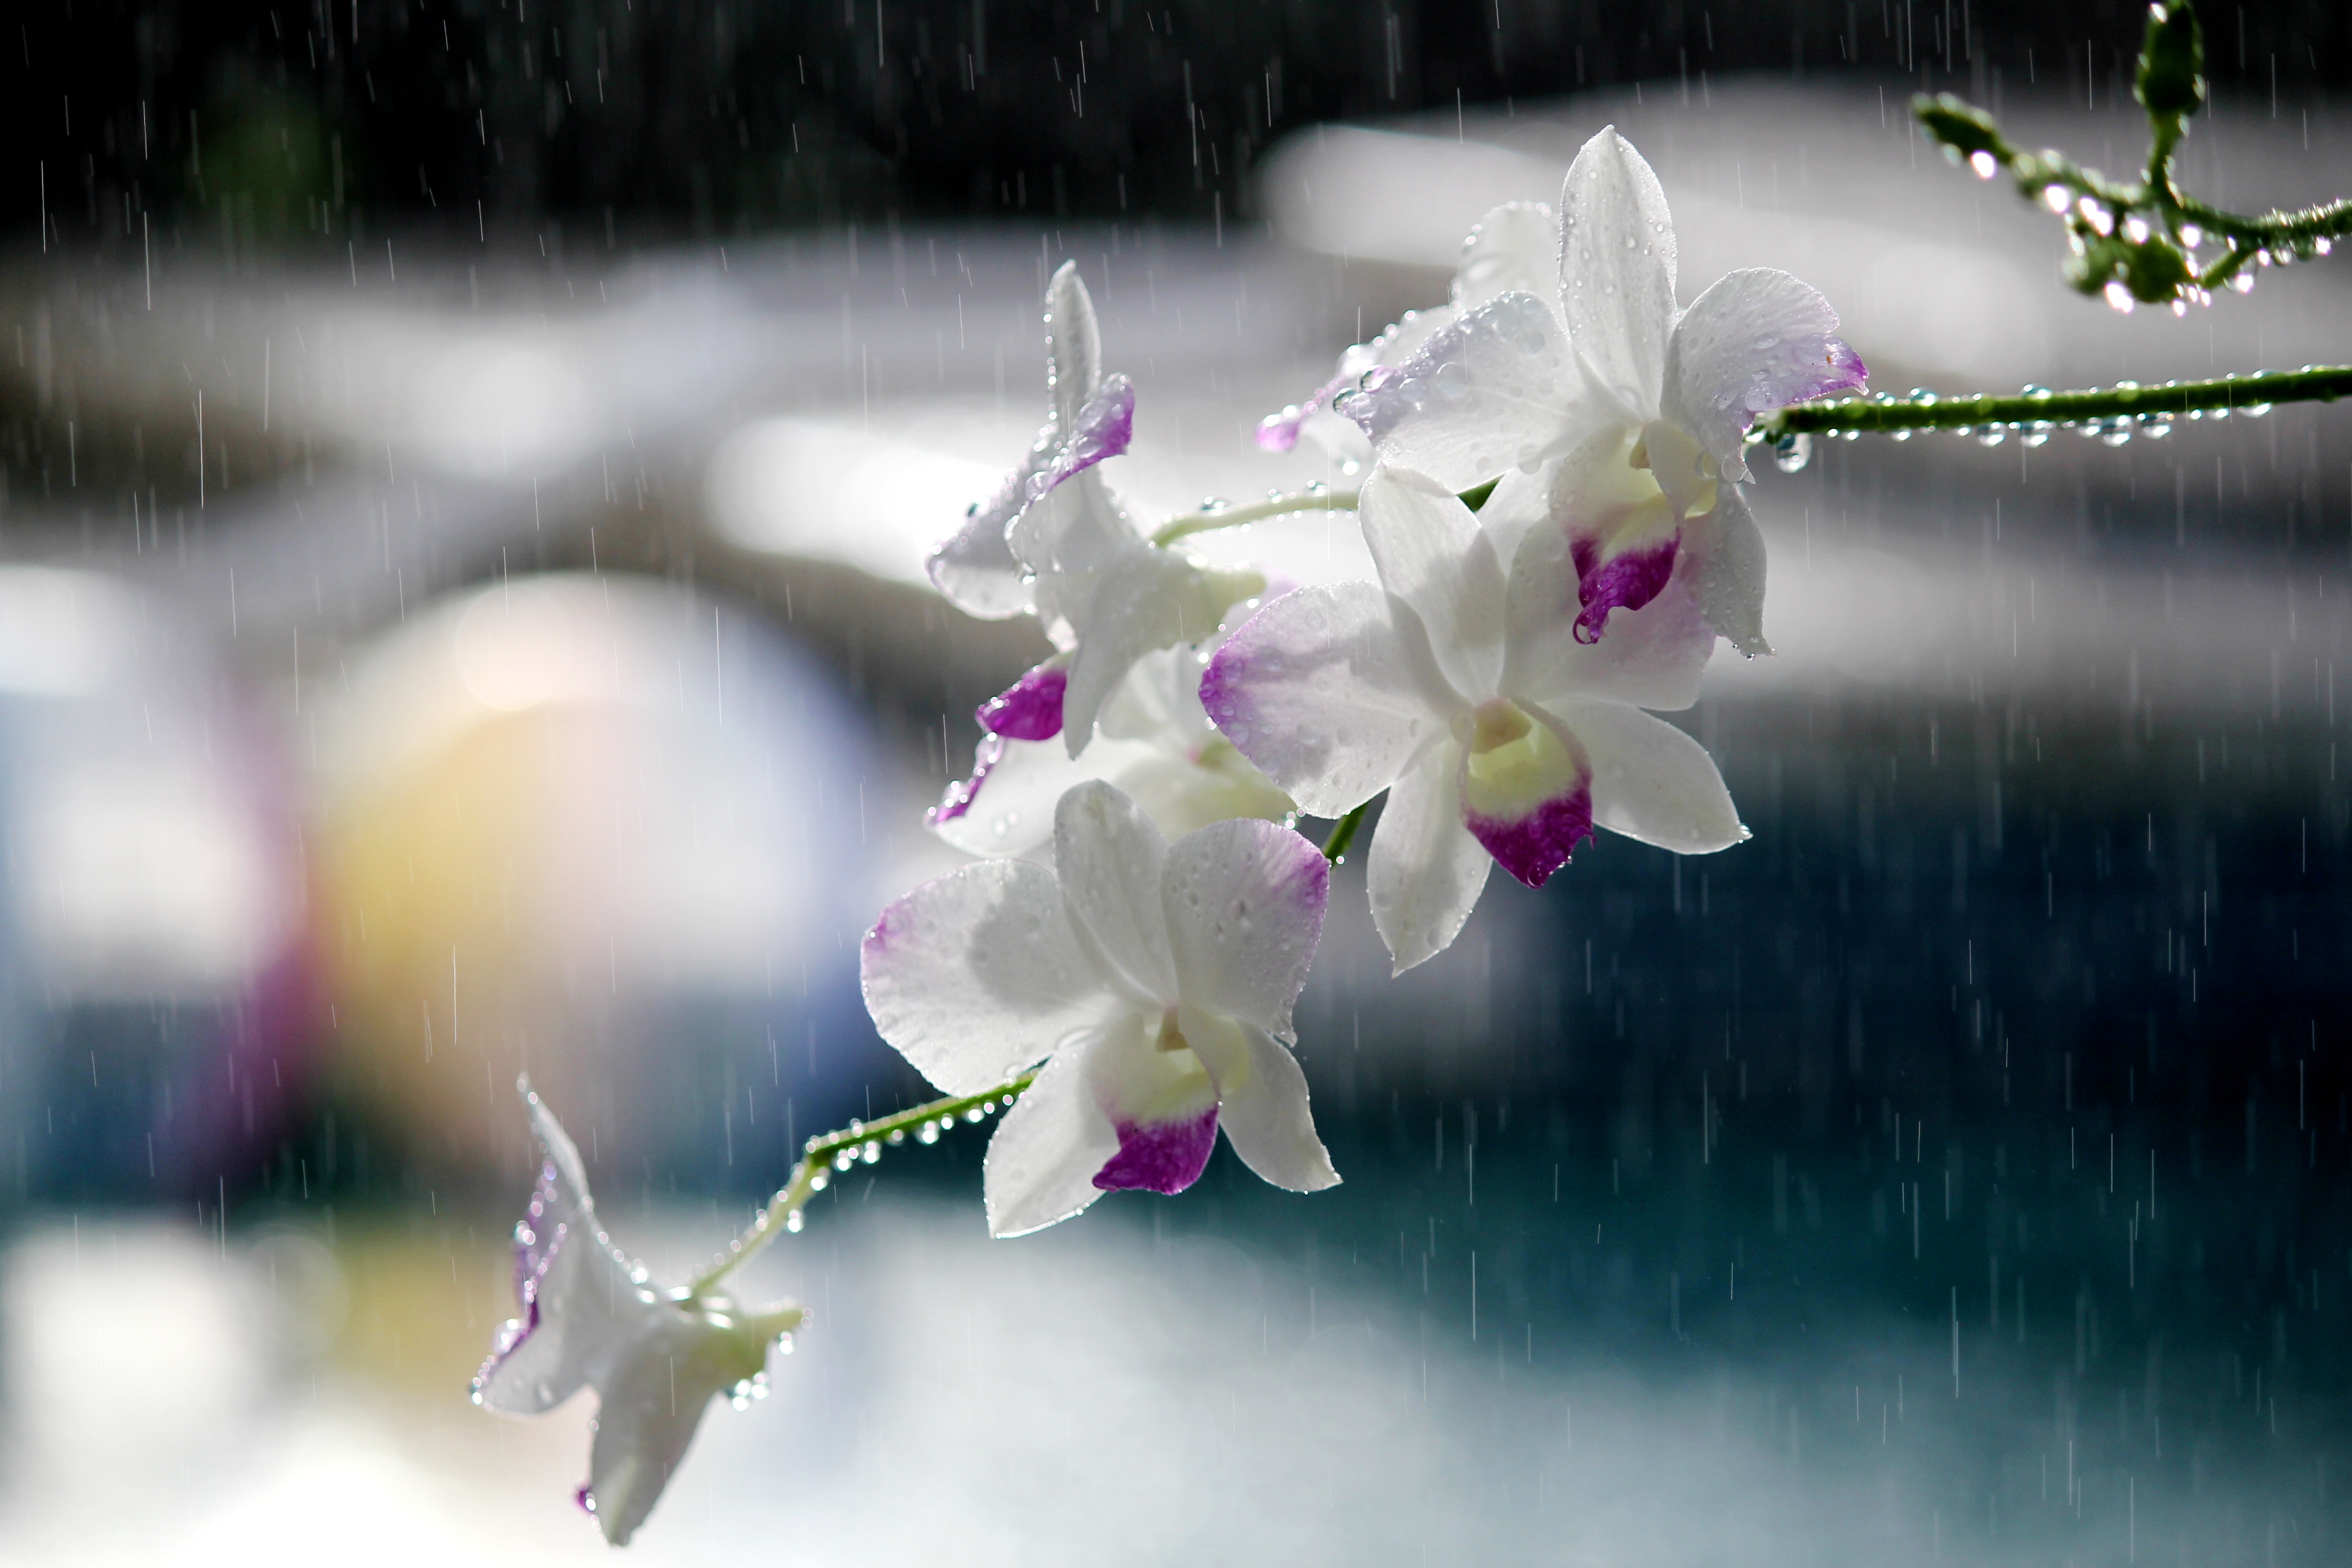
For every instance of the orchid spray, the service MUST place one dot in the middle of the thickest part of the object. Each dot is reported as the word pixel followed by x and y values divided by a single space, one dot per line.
pixel 1556 512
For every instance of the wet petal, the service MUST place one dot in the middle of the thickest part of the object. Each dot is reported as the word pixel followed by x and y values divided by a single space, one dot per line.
pixel 1031 708
pixel 1526 791
pixel 1425 870
pixel 1514 250
pixel 977 975
pixel 1431 554
pixel 1757 339
pixel 1041 1161
pixel 975 566
pixel 1073 345
pixel 1322 691
pixel 1617 269
pixel 1105 427
pixel 1109 858
pixel 1245 903
pixel 1262 1102
pixel 1145 599
pixel 1726 572
pixel 1651 781
pixel 1651 656
pixel 648 1407
pixel 576 1298
pixel 1160 1102
pixel 1498 389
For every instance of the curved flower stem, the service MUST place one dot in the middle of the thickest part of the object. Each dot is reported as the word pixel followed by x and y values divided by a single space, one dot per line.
pixel 860 1141
pixel 2255 393
pixel 1184 527
pixel 1343 833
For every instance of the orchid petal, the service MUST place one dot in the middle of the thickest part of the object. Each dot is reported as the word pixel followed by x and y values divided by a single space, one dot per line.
pixel 1077 529
pixel 1041 1163
pixel 1262 1102
pixel 1651 781
pixel 646 1416
pixel 1651 656
pixel 1526 791
pixel 1322 691
pixel 1514 250
pixel 975 566
pixel 1425 870
pixel 1073 345
pixel 1431 554
pixel 1727 550
pixel 1245 905
pixel 1104 427
pixel 1006 808
pixel 1617 269
pixel 1143 600
pixel 1031 708
pixel 1757 339
pixel 1498 389
pixel 1109 858
pixel 976 975
pixel 574 1290
pixel 1160 1100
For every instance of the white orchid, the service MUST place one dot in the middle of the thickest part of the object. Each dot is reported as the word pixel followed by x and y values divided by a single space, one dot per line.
pixel 1464 693
pixel 1155 981
pixel 590 1318
pixel 1054 542
pixel 1600 374
pixel 1514 246
pixel 1153 740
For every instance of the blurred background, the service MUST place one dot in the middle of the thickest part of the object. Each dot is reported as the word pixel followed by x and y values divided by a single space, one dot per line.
pixel 464 472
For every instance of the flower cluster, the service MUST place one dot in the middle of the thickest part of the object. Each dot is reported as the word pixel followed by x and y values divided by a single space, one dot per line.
pixel 1555 518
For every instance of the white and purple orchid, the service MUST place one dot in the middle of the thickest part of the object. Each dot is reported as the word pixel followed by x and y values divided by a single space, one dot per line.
pixel 1153 740
pixel 1598 371
pixel 1155 981
pixel 1458 684
pixel 590 1318
pixel 1514 246
pixel 1054 542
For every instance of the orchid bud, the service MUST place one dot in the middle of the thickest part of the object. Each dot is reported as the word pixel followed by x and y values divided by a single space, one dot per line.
pixel 1961 129
pixel 2172 82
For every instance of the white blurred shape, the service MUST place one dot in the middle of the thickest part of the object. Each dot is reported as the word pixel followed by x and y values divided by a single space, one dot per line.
pixel 144 862
pixel 491 407
pixel 838 491
pixel 130 1350
pixel 61 632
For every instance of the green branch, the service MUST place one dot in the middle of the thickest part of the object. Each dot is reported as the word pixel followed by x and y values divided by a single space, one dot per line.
pixel 2139 243
pixel 859 1143
pixel 2039 410
pixel 1219 515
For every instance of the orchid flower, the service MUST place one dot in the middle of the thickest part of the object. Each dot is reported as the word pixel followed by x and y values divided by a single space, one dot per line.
pixel 590 1318
pixel 1514 246
pixel 1463 691
pixel 1156 983
pixel 1054 542
pixel 1154 742
pixel 1604 372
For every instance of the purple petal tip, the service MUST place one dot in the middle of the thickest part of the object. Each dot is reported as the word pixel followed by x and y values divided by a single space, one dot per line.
pixel 1163 1159
pixel 1533 846
pixel 1028 710
pixel 1624 582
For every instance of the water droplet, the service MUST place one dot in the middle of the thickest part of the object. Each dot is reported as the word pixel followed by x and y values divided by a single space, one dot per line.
pixel 1791 453
pixel 1984 164
pixel 2119 298
pixel 1993 434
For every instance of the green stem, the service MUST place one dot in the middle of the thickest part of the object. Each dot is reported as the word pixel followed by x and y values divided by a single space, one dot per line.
pixel 1168 533
pixel 1343 833
pixel 2313 384
pixel 863 1141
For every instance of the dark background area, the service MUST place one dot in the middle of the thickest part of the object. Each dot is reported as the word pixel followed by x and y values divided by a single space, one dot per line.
pixel 603 122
